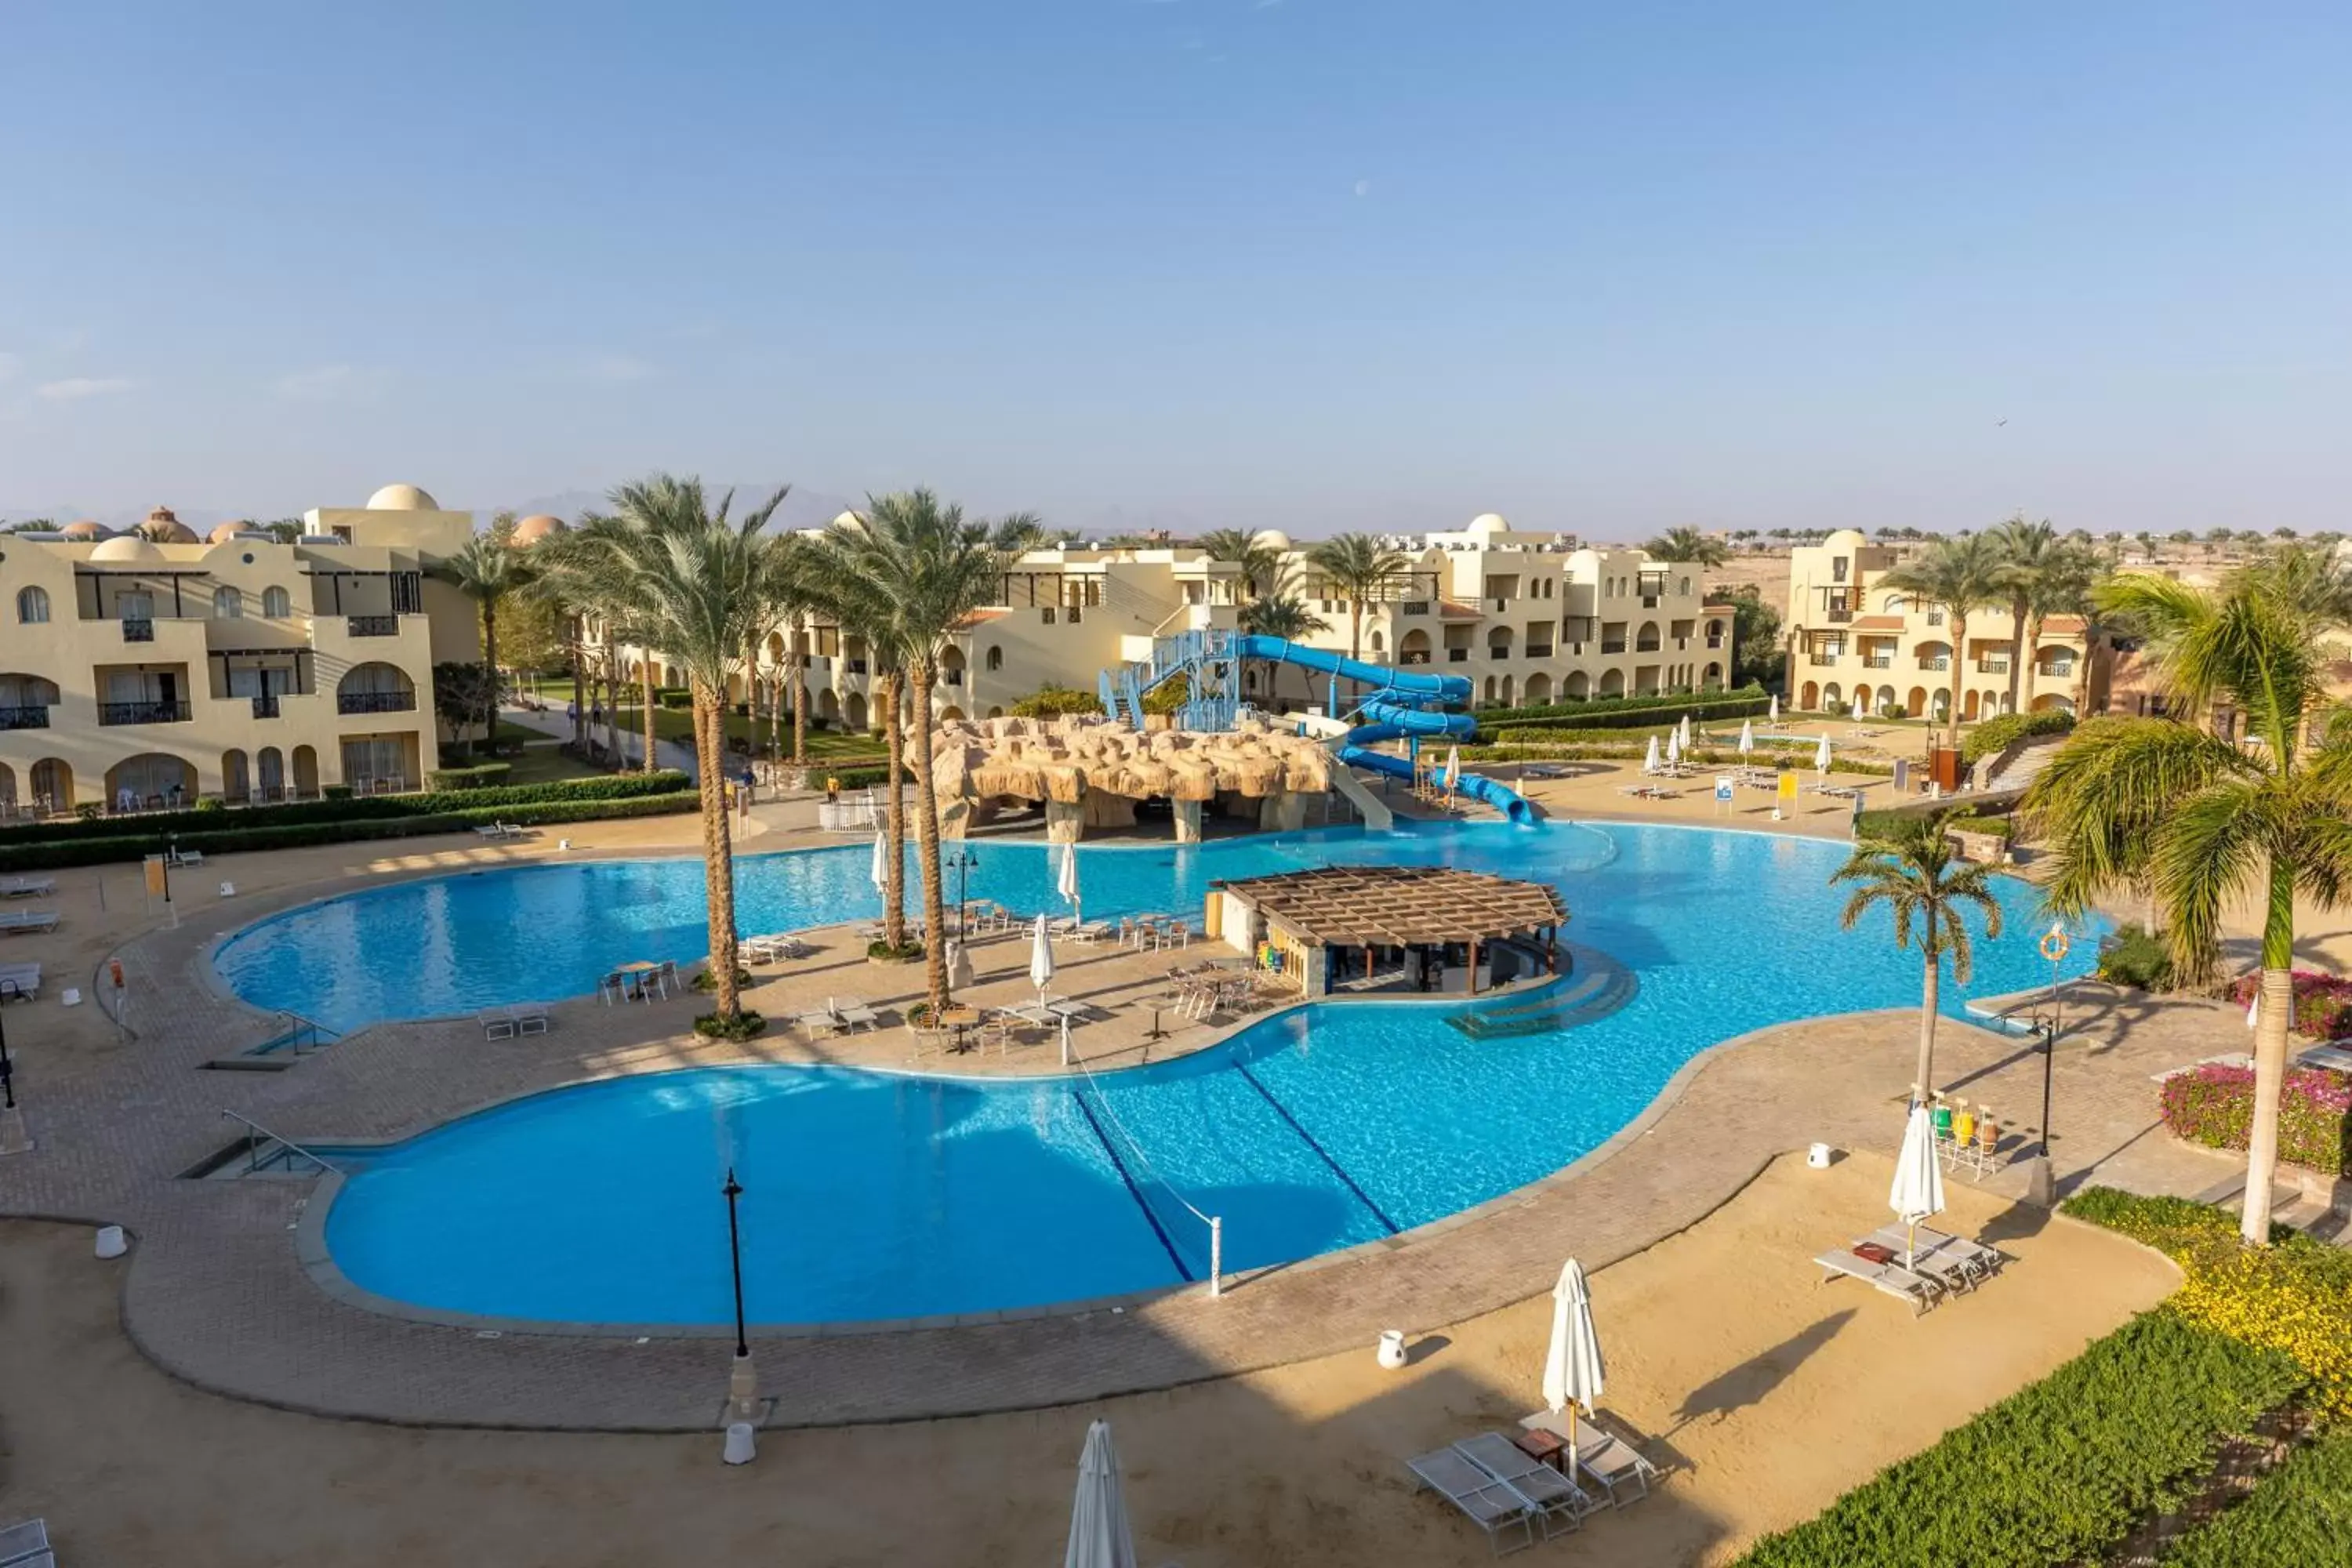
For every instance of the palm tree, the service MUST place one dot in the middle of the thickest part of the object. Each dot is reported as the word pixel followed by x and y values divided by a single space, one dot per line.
pixel 2160 805
pixel 1687 544
pixel 793 581
pixel 1282 613
pixel 2027 551
pixel 1910 868
pixel 2061 587
pixel 932 569
pixel 689 577
pixel 1358 567
pixel 1260 563
pixel 486 570
pixel 1963 575
pixel 838 590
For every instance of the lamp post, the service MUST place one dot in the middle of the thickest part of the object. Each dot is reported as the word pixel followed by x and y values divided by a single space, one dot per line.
pixel 742 1379
pixel 963 865
pixel 2049 1022
pixel 13 1139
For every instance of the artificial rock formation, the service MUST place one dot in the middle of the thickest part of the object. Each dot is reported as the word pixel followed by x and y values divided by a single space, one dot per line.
pixel 1089 773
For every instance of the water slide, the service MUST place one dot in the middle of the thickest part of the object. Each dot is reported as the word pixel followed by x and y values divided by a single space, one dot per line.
pixel 1399 707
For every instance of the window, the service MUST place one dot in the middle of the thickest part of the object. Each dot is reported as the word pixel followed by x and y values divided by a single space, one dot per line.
pixel 33 606
pixel 996 657
pixel 1685 588
pixel 1935 614
pixel 228 604
pixel 274 604
pixel 1378 642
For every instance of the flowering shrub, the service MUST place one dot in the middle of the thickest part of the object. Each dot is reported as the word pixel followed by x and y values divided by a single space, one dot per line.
pixel 2295 1295
pixel 2215 1105
pixel 2323 1002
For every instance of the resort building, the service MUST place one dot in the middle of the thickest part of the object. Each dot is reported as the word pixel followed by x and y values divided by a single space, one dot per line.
pixel 1423 929
pixel 153 668
pixel 1527 617
pixel 1858 646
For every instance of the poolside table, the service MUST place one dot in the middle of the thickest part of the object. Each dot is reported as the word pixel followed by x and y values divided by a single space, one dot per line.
pixel 960 1021
pixel 634 975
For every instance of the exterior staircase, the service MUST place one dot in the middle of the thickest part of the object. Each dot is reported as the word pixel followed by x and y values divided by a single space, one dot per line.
pixel 1204 656
pixel 2019 763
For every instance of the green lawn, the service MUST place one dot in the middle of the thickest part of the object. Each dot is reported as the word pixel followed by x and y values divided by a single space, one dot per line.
pixel 677 724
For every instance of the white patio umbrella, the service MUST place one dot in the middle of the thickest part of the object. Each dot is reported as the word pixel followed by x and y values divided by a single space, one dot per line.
pixel 1099 1535
pixel 1041 961
pixel 1650 763
pixel 1822 757
pixel 1453 768
pixel 2254 1007
pixel 880 871
pixel 1572 1369
pixel 1683 730
pixel 1774 714
pixel 1067 884
pixel 1746 736
pixel 1674 748
pixel 1918 1190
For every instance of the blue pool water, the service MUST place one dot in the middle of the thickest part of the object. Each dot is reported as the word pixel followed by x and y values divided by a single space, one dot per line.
pixel 873 1194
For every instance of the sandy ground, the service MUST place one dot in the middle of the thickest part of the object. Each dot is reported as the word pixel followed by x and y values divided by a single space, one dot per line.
pixel 1766 1394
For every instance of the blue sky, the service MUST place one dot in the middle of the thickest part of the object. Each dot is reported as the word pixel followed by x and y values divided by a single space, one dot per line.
pixel 1315 264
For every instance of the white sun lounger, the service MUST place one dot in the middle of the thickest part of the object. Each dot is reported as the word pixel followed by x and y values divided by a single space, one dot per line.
pixel 1918 1289
pixel 1975 1260
pixel 819 1022
pixel 2335 1055
pixel 176 859
pixel 27 887
pixel 853 1014
pixel 1607 1461
pixel 1561 1504
pixel 19 980
pixel 16 922
pixel 1494 1507
pixel 27 1545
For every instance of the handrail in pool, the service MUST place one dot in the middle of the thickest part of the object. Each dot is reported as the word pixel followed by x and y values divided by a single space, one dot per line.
pixel 253 1160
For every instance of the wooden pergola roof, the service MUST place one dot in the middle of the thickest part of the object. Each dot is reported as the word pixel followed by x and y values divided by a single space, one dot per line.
pixel 1395 906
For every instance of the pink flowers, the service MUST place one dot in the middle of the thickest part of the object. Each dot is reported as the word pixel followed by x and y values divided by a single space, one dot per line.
pixel 2215 1105
pixel 2323 1002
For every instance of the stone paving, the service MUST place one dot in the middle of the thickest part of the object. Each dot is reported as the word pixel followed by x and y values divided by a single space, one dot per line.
pixel 216 1294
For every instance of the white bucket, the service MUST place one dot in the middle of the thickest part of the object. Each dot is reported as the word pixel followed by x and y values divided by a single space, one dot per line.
pixel 1818 1156
pixel 741 1447
pixel 1391 1351
pixel 111 1242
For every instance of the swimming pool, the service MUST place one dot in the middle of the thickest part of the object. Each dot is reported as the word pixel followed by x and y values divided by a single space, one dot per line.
pixel 886 1195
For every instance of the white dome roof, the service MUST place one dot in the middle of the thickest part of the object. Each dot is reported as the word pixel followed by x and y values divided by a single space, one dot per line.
pixel 533 529
pixel 1846 539
pixel 1273 539
pixel 1489 522
pixel 402 498
pixel 845 519
pixel 125 547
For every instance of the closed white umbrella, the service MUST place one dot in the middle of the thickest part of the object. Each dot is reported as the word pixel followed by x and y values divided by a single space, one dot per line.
pixel 1918 1190
pixel 1746 736
pixel 1041 961
pixel 1099 1534
pixel 1572 1369
pixel 959 972
pixel 1774 714
pixel 1683 730
pixel 1822 757
pixel 1453 768
pixel 1674 748
pixel 1067 884
pixel 880 871
pixel 1650 763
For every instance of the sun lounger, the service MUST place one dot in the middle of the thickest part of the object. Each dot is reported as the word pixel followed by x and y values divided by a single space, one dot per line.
pixel 2334 1056
pixel 19 922
pixel 490 829
pixel 1947 1265
pixel 1542 771
pixel 819 1023
pixel 1982 1262
pixel 530 1018
pixel 19 980
pixel 1607 1460
pixel 1648 792
pixel 178 857
pixel 1918 1289
pixel 497 1025
pixel 1493 1506
pixel 27 1545
pixel 27 888
pixel 1560 1501
pixel 853 1012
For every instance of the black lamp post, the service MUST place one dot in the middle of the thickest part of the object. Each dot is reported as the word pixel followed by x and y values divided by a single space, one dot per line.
pixel 964 863
pixel 734 1189
pixel 2049 1022
pixel 8 1068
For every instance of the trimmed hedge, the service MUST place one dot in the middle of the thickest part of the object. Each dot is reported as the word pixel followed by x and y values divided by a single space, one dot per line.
pixel 1797 757
pixel 871 778
pixel 2293 1297
pixel 481 775
pixel 2299 1513
pixel 2134 958
pixel 2060 1470
pixel 2214 1106
pixel 1992 734
pixel 137 845
pixel 1632 712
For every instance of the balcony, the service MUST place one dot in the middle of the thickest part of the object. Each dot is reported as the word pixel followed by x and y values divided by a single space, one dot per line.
pixel 2057 670
pixel 24 717
pixel 1992 666
pixel 375 702
pixel 1838 616
pixel 1716 641
pixel 265 706
pixel 143 713
pixel 1826 658
pixel 1649 646
pixel 1617 647
pixel 1879 661
pixel 1934 664
pixel 1458 656
pixel 372 626
pixel 140 628
pixel 1414 607
pixel 1415 656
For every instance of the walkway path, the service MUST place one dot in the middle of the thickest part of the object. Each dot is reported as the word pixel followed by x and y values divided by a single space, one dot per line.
pixel 669 754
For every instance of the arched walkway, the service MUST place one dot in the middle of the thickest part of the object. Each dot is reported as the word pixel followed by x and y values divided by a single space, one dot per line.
pixel 1577 685
pixel 1539 689
pixel 273 773
pixel 1613 683
pixel 306 771
pixel 236 784
pixel 153 779
pixel 52 779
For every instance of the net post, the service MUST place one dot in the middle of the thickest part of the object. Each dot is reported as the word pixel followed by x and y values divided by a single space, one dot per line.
pixel 1217 1256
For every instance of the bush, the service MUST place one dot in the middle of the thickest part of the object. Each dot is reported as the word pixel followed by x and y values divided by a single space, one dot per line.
pixel 742 1027
pixel 869 778
pixel 673 697
pixel 336 792
pixel 2214 1106
pixel 1055 701
pixel 2001 828
pixel 2299 1512
pixel 210 804
pixel 2060 1470
pixel 2323 1002
pixel 481 775
pixel 1633 713
pixel 1995 734
pixel 2132 957
pixel 2293 1297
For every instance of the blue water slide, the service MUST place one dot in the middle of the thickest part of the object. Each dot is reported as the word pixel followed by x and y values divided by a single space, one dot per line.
pixel 1420 721
pixel 1405 682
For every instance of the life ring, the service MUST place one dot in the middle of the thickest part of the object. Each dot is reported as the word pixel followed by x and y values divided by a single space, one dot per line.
pixel 2054 944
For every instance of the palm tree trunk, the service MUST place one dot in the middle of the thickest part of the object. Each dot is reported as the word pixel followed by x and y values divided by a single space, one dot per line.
pixel 796 664
pixel 490 674
pixel 894 895
pixel 2017 650
pixel 2033 651
pixel 579 698
pixel 922 674
pixel 1959 667
pixel 718 851
pixel 613 712
pixel 645 666
pixel 1923 1075
pixel 2270 1023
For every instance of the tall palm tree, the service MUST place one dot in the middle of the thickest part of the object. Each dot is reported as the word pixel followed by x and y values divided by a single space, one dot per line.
pixel 852 601
pixel 795 591
pixel 1359 567
pixel 2027 552
pixel 1910 868
pixel 933 569
pixel 1687 544
pixel 488 572
pixel 1963 575
pixel 2196 820
pixel 1260 563
pixel 690 577
pixel 1281 612
pixel 2061 587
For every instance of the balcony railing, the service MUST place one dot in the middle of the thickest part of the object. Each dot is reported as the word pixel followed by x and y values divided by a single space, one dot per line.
pixel 266 705
pixel 1934 664
pixel 1415 656
pixel 1992 666
pixel 138 628
pixel 1458 656
pixel 1841 614
pixel 1617 647
pixel 34 718
pixel 143 713
pixel 1498 650
pixel 1539 650
pixel 1649 646
pixel 1826 658
pixel 372 626
pixel 375 702
pixel 2059 669
pixel 1415 606
pixel 1879 661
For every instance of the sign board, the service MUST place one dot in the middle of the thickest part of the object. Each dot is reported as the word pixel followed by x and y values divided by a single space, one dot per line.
pixel 1902 775
pixel 156 885
pixel 1723 789
pixel 1787 790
